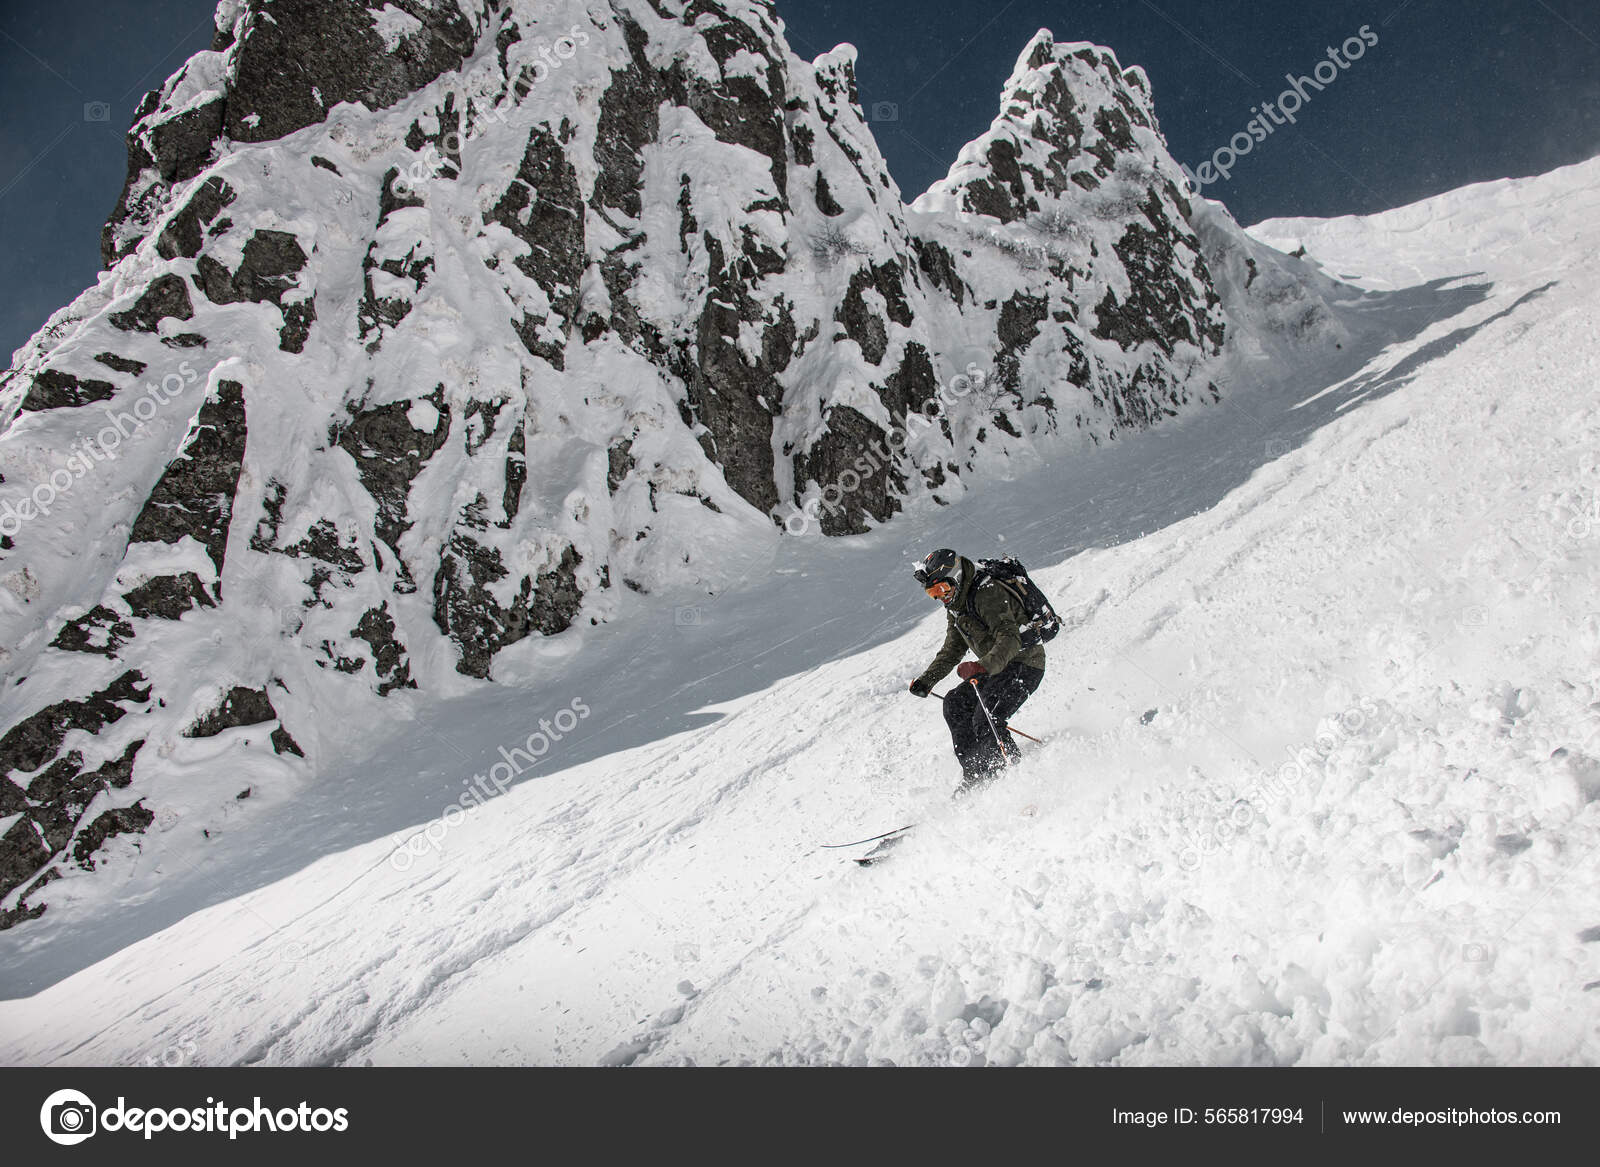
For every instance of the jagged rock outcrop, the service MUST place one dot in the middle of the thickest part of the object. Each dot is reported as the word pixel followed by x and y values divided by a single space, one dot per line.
pixel 46 811
pixel 479 315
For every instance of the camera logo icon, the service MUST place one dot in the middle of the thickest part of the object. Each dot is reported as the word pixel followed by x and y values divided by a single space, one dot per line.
pixel 687 617
pixel 885 111
pixel 96 111
pixel 68 1117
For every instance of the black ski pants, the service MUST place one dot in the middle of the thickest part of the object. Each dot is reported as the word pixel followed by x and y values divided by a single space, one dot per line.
pixel 974 739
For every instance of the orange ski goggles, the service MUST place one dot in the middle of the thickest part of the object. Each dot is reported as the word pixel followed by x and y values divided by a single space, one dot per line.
pixel 941 590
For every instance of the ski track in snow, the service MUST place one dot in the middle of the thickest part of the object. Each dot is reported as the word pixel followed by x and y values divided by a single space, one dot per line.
pixel 1374 565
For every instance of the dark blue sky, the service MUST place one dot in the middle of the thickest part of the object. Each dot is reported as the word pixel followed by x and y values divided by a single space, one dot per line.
pixel 1455 91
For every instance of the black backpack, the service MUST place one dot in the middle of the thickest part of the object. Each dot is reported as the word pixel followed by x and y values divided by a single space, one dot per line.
pixel 1039 623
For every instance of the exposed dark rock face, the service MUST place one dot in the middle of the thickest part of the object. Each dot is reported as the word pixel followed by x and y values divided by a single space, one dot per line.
pixel 1020 318
pixel 121 364
pixel 265 274
pixel 862 324
pixel 122 820
pixel 389 453
pixel 733 400
pixel 100 630
pixel 629 121
pixel 185 340
pixel 142 192
pixel 465 610
pixel 388 654
pixel 32 742
pixel 516 475
pixel 619 463
pixel 271 258
pixel 910 388
pixel 298 318
pixel 22 852
pixel 939 267
pixel 241 706
pixel 194 499
pixel 1077 174
pixel 826 203
pixel 168 597
pixel 404 255
pixel 339 55
pixel 166 296
pixel 181 146
pixel 1163 308
pixel 59 795
pixel 324 542
pixel 544 209
pixel 53 389
pixel 61 786
pixel 858 460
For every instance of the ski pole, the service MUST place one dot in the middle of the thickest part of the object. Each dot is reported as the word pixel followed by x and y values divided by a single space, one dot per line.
pixel 1009 728
pixel 993 728
pixel 873 839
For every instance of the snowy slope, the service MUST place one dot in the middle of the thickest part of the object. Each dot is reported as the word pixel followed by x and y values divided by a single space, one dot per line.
pixel 1360 826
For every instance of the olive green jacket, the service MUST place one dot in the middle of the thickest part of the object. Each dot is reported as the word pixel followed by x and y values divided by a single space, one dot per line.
pixel 995 639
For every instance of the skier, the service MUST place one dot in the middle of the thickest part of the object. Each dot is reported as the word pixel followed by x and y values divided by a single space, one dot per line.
pixel 986 617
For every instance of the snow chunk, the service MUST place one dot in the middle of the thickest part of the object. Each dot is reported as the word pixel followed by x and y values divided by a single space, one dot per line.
pixel 423 416
pixel 146 561
pixel 228 13
pixel 394 26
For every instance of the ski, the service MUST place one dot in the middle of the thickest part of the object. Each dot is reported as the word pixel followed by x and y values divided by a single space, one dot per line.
pixel 871 839
pixel 881 852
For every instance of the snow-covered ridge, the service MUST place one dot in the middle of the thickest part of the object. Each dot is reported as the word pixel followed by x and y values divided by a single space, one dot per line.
pixel 503 322
pixel 1508 221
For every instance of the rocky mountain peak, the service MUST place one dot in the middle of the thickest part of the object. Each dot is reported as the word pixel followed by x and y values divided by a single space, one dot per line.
pixel 1071 119
pixel 240 91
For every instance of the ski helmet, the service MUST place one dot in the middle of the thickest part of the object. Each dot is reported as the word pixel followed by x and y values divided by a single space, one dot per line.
pixel 941 566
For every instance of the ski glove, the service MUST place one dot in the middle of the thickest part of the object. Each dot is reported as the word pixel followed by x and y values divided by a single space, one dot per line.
pixel 920 688
pixel 966 670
